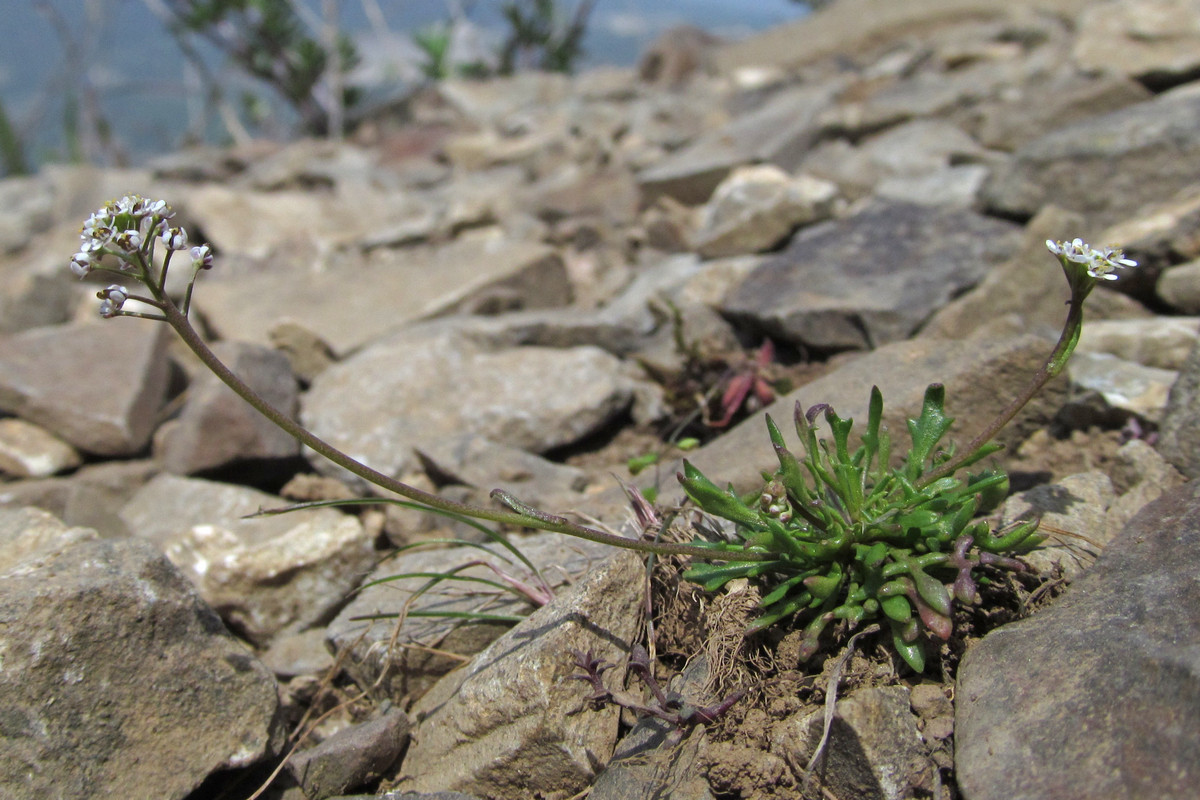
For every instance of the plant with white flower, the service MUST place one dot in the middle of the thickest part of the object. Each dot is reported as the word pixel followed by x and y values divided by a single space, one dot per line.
pixel 838 537
pixel 855 539
pixel 120 239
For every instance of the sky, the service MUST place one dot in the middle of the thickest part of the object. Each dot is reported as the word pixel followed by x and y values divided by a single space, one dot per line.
pixel 121 50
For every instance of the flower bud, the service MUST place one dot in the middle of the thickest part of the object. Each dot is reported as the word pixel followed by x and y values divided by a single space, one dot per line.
pixel 113 298
pixel 81 264
pixel 175 239
pixel 202 257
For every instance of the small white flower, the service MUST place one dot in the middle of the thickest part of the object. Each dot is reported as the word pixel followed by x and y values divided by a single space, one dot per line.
pixel 117 293
pixel 202 257
pixel 158 208
pixel 1100 263
pixel 112 297
pixel 175 239
pixel 130 241
pixel 81 264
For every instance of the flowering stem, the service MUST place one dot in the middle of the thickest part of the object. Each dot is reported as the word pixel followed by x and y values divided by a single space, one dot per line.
pixel 178 320
pixel 1053 366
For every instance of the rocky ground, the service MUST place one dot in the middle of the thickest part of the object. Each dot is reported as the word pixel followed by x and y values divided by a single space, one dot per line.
pixel 523 283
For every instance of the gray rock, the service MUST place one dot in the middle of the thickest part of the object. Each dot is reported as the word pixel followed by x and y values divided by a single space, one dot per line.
pixel 1179 432
pixel 949 186
pixel 295 654
pixel 872 278
pixel 29 451
pixel 474 461
pixel 405 663
pixel 757 207
pixel 511 719
pixel 874 750
pixel 926 94
pixel 120 682
pixel 217 428
pixel 28 204
pixel 855 26
pixel 91 497
pixel 483 270
pixel 779 133
pixel 262 575
pixel 32 297
pixel 649 763
pixel 352 757
pixel 98 386
pixel 1077 504
pixel 1035 712
pixel 1155 41
pixel 307 353
pixel 1126 385
pixel 1105 167
pixel 1179 286
pixel 1029 109
pixel 416 388
pixel 1146 476
pixel 1161 342
pixel 31 533
pixel 1164 233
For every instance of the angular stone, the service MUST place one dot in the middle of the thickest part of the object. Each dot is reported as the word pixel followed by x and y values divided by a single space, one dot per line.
pixel 1179 432
pixel 874 749
pixel 119 682
pixel 779 133
pixel 872 278
pixel 31 533
pixel 852 27
pixel 263 575
pixel 1037 714
pixel 511 719
pixel 1105 167
pixel 949 186
pixel 757 207
pixel 1155 41
pixel 352 757
pixel 474 461
pixel 98 386
pixel 28 203
pixel 217 428
pixel 416 388
pixel 1031 108
pixel 1077 504
pixel 1179 286
pixel 91 497
pixel 406 663
pixel 1124 384
pixel 30 451
pixel 1162 342
pixel 483 270
pixel 648 763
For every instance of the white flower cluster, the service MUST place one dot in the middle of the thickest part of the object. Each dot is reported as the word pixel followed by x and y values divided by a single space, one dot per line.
pixel 1099 263
pixel 121 227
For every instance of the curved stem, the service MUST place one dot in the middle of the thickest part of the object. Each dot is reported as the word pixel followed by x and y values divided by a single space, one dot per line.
pixel 1053 366
pixel 177 320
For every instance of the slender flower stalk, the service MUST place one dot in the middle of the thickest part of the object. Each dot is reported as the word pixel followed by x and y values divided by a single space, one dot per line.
pixel 1083 266
pixel 127 231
